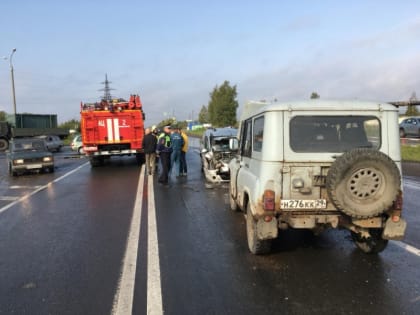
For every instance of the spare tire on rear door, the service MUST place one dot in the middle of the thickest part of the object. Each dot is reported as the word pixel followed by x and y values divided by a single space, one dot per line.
pixel 363 183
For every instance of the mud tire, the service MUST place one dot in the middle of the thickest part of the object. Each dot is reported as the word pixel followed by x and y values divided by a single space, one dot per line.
pixel 373 245
pixel 256 246
pixel 363 183
pixel 4 145
pixel 232 203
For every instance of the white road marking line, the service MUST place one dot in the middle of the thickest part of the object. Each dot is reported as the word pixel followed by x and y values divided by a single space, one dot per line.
pixel 409 183
pixel 154 289
pixel 123 299
pixel 9 198
pixel 24 187
pixel 40 188
pixel 408 248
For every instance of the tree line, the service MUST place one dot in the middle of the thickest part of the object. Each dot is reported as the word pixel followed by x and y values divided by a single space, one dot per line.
pixel 220 110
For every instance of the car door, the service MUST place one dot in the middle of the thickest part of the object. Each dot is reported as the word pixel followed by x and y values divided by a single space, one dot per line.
pixel 239 166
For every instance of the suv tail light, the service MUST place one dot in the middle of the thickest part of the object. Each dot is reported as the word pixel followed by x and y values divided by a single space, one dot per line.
pixel 268 200
pixel 398 205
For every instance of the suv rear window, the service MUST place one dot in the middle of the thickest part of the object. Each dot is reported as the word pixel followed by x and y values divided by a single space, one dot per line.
pixel 334 133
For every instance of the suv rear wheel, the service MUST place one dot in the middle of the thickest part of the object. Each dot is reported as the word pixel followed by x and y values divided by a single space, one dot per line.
pixel 363 183
pixel 372 245
pixel 256 246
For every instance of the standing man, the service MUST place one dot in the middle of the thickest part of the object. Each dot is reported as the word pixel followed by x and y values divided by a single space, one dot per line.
pixel 164 148
pixel 149 147
pixel 183 164
pixel 177 143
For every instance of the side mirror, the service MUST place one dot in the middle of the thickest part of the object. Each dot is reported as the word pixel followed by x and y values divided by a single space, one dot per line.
pixel 233 144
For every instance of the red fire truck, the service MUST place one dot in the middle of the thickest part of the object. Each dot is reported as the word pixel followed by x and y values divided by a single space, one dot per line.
pixel 112 128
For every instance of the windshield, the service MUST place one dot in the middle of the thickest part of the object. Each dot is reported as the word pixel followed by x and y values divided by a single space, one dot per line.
pixel 220 143
pixel 334 133
pixel 29 145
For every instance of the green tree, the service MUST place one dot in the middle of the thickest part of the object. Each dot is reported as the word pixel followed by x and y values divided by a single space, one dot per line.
pixel 203 115
pixel 3 115
pixel 166 122
pixel 71 124
pixel 222 105
pixel 314 95
pixel 412 109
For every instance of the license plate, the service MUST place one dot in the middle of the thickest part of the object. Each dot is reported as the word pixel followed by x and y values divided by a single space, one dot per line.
pixel 33 166
pixel 303 204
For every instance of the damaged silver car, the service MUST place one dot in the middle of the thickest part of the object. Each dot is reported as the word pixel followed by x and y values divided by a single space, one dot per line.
pixel 215 153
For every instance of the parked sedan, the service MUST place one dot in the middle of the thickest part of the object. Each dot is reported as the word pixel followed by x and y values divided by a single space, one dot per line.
pixel 53 142
pixel 29 154
pixel 77 144
pixel 410 127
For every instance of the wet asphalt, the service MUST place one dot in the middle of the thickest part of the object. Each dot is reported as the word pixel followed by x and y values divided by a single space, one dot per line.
pixel 61 250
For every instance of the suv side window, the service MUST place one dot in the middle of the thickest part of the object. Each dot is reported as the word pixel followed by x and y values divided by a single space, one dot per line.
pixel 246 139
pixel 258 133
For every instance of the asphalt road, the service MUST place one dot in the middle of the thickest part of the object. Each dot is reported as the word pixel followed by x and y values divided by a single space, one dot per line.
pixel 110 240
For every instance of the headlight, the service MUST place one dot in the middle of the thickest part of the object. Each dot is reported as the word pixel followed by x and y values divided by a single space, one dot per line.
pixel 18 161
pixel 47 159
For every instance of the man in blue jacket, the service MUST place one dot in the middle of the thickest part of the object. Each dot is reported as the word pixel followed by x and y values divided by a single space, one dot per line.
pixel 177 142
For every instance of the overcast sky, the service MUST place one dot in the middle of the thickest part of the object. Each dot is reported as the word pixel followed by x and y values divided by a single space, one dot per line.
pixel 173 53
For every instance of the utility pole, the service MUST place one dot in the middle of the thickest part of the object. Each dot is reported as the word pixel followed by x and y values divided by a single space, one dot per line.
pixel 13 84
pixel 107 90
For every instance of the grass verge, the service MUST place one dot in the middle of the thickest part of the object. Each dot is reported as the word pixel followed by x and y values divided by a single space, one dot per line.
pixel 410 153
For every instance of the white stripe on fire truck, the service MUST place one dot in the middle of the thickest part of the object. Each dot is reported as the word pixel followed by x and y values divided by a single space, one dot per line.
pixel 116 129
pixel 109 129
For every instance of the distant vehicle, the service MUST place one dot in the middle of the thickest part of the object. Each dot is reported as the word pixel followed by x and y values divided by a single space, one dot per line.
pixel 53 143
pixel 77 144
pixel 29 154
pixel 28 125
pixel 112 128
pixel 410 127
pixel 215 153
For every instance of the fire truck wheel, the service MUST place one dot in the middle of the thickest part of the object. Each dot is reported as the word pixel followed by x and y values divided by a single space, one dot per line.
pixel 96 161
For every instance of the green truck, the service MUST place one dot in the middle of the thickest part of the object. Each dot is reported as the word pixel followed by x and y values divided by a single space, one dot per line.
pixel 29 125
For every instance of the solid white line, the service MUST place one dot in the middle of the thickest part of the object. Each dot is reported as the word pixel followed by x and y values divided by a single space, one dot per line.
pixel 23 187
pixel 123 299
pixel 154 289
pixel 40 188
pixel 408 248
pixel 9 198
pixel 409 183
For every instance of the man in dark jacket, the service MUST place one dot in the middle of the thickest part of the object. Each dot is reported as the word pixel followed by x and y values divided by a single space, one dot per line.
pixel 177 142
pixel 164 148
pixel 149 147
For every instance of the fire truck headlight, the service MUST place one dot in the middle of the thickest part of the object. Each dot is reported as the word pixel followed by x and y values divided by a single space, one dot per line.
pixel 18 161
pixel 47 159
